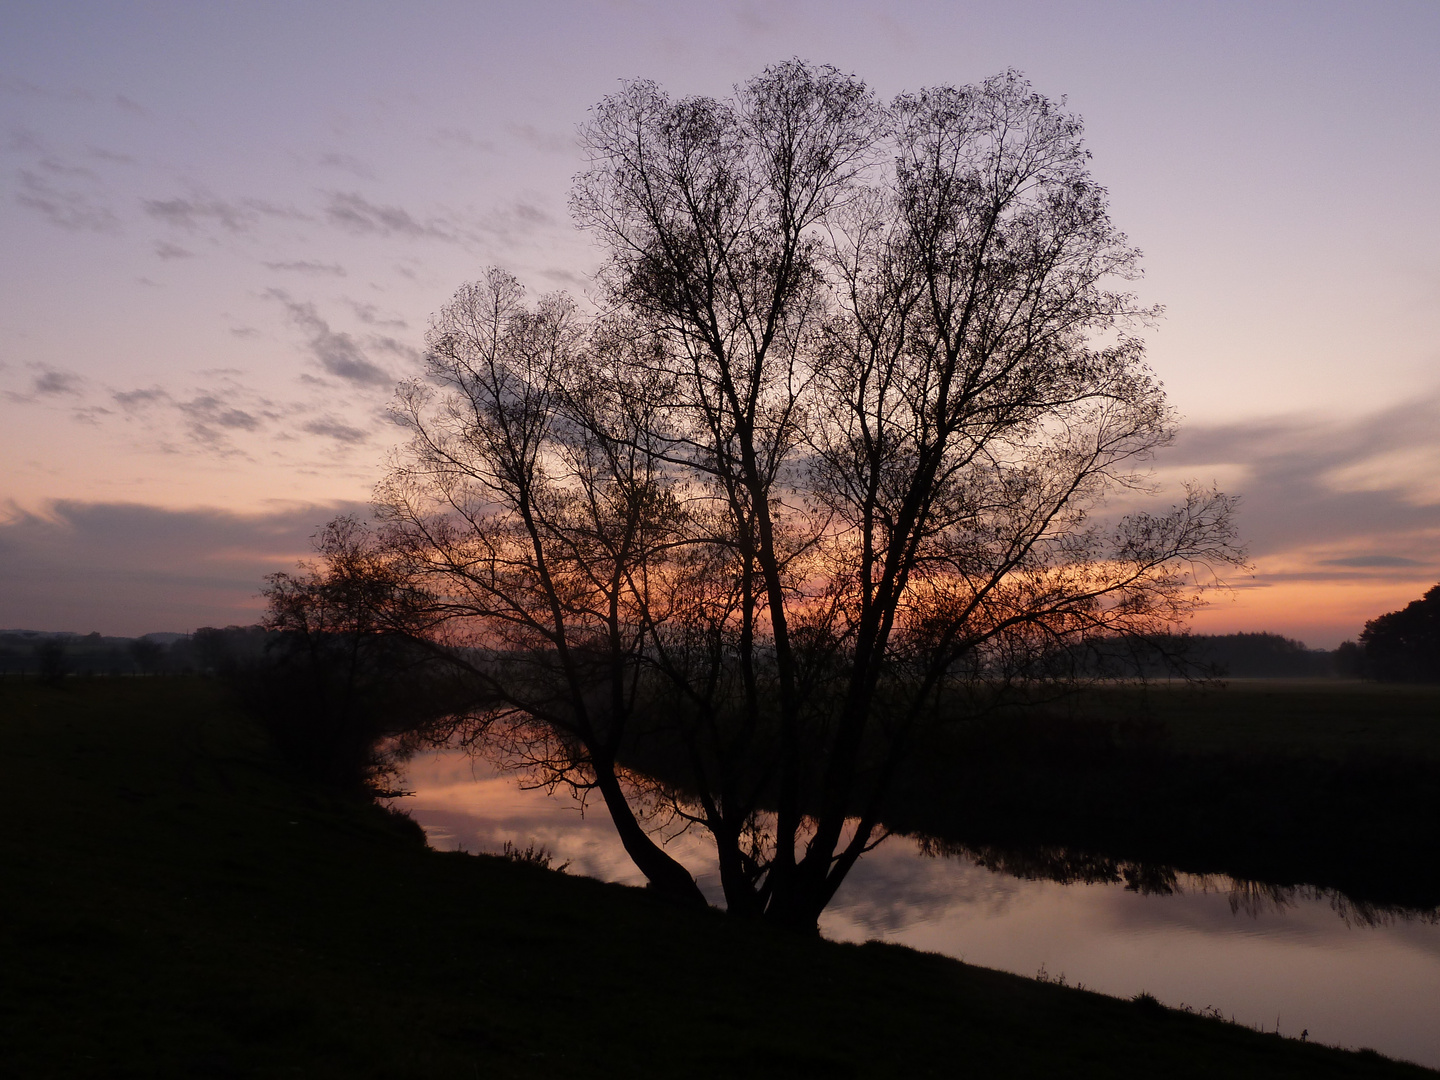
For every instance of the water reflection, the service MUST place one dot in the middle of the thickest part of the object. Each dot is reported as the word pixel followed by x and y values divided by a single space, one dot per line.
pixel 1266 955
pixel 1069 867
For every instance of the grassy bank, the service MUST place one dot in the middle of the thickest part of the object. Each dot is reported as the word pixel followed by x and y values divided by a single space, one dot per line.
pixel 1316 782
pixel 1331 719
pixel 174 905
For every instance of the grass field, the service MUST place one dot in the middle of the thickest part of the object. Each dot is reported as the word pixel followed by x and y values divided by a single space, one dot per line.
pixel 175 905
pixel 1329 718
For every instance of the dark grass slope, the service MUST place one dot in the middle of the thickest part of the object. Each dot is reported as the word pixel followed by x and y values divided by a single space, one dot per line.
pixel 173 905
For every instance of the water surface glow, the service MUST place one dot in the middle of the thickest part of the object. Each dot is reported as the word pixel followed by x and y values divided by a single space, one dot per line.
pixel 1307 963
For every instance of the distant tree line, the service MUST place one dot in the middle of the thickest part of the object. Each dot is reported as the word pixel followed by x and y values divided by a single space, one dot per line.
pixel 1238 656
pixel 1399 646
pixel 54 656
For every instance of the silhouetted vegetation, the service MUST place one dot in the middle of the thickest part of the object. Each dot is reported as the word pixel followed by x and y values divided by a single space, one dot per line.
pixel 1404 645
pixel 1255 655
pixel 866 372
pixel 56 656
pixel 343 694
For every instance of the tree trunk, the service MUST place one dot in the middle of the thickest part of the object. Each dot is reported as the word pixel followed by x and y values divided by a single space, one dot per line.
pixel 665 874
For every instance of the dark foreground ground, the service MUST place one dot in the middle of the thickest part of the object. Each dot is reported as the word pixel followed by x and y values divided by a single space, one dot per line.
pixel 173 905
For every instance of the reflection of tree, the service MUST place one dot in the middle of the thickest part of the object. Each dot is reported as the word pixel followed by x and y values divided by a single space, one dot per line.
pixel 1051 862
pixel 1070 866
pixel 821 478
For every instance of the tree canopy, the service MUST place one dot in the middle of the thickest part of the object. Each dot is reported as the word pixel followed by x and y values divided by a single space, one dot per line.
pixel 824 471
pixel 1404 645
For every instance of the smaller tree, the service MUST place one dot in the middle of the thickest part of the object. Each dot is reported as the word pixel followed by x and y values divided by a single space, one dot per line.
pixel 344 681
pixel 1404 645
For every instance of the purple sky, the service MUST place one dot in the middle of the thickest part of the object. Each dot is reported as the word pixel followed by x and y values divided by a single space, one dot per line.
pixel 223 228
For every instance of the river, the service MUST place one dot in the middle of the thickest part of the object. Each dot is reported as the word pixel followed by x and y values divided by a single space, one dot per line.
pixel 1304 963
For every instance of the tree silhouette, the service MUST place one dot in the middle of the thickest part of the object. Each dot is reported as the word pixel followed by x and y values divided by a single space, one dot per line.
pixel 821 475
pixel 1404 645
pixel 345 685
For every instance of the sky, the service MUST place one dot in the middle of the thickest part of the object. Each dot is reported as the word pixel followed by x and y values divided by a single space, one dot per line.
pixel 224 227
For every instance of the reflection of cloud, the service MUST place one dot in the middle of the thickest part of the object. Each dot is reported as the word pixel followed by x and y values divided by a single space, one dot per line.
pixel 894 887
pixel 132 569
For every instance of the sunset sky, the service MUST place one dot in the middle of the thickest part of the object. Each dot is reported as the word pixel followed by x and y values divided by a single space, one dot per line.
pixel 223 228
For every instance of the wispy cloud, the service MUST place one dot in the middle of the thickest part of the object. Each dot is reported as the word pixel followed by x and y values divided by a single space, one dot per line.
pixel 48 382
pixel 209 411
pixel 346 163
pixel 370 315
pixel 459 138
pixel 337 352
pixel 233 215
pixel 52 382
pixel 1329 499
pixel 330 428
pixel 132 569
pixel 360 217
pixel 168 251
pixel 549 142
pixel 56 197
pixel 317 269
pixel 210 417
pixel 135 399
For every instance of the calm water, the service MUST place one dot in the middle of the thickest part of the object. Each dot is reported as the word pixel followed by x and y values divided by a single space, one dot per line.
pixel 1297 965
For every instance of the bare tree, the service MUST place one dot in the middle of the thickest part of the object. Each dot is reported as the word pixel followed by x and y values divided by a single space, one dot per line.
pixel 823 475
pixel 344 682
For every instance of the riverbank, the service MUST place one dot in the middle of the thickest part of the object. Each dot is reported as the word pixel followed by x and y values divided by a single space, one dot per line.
pixel 1318 782
pixel 176 906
